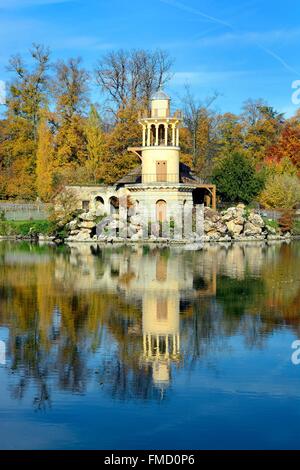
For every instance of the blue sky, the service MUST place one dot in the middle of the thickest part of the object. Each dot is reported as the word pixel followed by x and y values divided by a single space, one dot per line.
pixel 240 49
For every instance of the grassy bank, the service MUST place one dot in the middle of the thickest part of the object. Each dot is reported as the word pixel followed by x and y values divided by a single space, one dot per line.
pixel 25 228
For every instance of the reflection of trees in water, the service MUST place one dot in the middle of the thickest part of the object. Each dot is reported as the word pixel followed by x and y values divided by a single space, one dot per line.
pixel 125 380
pixel 58 314
pixel 238 295
pixel 30 362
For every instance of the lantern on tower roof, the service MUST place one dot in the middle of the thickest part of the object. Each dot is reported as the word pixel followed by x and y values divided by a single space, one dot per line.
pixel 160 95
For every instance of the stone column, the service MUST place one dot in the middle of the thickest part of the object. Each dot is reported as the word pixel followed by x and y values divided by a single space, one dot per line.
pixel 188 219
pixel 174 345
pixel 148 135
pixel 167 345
pixel 178 218
pixel 166 134
pixel 144 136
pixel 200 220
pixel 178 343
pixel 149 345
pixel 144 220
pixel 177 137
pixel 173 135
pixel 156 134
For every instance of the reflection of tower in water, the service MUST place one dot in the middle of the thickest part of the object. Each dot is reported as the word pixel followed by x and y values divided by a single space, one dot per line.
pixel 161 332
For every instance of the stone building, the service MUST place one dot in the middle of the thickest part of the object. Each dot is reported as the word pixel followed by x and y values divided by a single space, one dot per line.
pixel 161 188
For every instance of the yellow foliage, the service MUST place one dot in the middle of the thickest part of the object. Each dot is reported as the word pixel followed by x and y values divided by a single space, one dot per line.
pixel 44 161
pixel 281 191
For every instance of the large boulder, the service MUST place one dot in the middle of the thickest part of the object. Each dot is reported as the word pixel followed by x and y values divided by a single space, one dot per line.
pixel 88 216
pixel 256 220
pixel 251 230
pixel 220 227
pixel 72 225
pixel 239 220
pixel 229 214
pixel 208 226
pixel 233 228
pixel 87 225
pixel 214 235
pixel 233 213
pixel 82 236
pixel 211 215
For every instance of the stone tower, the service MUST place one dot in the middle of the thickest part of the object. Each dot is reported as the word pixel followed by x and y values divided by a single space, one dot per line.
pixel 160 149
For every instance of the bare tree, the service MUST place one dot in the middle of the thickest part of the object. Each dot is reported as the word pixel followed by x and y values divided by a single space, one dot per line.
pixel 29 88
pixel 70 87
pixel 195 112
pixel 132 76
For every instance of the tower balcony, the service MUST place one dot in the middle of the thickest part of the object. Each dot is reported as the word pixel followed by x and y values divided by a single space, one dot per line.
pixel 153 178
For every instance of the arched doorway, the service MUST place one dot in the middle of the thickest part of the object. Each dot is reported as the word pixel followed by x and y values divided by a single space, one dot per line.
pixel 161 210
pixel 114 205
pixel 99 203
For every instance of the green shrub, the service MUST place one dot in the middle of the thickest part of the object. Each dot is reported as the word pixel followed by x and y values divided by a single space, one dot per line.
pixel 271 223
pixel 296 228
pixel 236 179
pixel 26 228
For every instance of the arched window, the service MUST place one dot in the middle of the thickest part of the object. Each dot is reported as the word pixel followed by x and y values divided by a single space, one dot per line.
pixel 161 210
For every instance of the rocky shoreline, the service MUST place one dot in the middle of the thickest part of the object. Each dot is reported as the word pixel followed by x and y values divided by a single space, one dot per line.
pixel 235 224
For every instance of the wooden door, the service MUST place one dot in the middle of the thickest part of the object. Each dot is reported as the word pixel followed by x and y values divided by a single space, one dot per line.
pixel 161 170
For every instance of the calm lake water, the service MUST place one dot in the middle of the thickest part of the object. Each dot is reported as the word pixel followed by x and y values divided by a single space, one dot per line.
pixel 149 348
